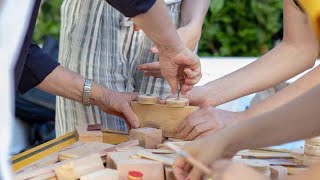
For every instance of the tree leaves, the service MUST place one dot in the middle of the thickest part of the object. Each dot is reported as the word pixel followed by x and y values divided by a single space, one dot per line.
pixel 241 28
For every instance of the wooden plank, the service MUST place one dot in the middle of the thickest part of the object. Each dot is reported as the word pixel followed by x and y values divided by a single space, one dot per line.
pixel 104 174
pixel 84 150
pixel 78 167
pixel 263 154
pixel 161 116
pixel 45 176
pixel 122 145
pixel 30 156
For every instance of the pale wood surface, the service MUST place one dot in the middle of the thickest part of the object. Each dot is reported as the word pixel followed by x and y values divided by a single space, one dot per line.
pixel 161 116
pixel 174 102
pixel 78 167
pixel 145 99
pixel 156 157
pixel 104 174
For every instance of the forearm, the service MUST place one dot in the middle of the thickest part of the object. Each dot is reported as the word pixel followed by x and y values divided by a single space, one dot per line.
pixel 194 12
pixel 157 25
pixel 278 65
pixel 68 84
pixel 298 119
pixel 289 93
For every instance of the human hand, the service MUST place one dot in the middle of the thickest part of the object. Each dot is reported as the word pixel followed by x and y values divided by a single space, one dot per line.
pixel 205 121
pixel 116 103
pixel 216 147
pixel 228 170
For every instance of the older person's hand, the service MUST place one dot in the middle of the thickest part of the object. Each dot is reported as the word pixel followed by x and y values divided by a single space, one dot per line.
pixel 115 103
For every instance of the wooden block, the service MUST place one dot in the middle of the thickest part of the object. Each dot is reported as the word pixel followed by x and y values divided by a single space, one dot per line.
pixel 78 167
pixel 161 116
pixel 296 170
pixel 82 134
pixel 129 148
pixel 156 157
pixel 169 173
pixel 148 99
pixel 148 137
pixel 38 172
pixel 104 174
pixel 174 102
pixel 150 169
pixel 84 150
pixel 114 157
pixel 114 137
pixel 279 172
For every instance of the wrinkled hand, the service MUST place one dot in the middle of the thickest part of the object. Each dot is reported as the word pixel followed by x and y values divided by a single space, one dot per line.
pixel 227 170
pixel 205 121
pixel 205 150
pixel 118 104
pixel 181 65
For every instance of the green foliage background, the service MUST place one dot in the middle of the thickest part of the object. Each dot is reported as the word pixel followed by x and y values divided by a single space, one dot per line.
pixel 231 27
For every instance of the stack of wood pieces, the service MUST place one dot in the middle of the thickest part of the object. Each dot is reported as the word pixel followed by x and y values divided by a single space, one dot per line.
pixel 311 151
pixel 97 160
pixel 281 162
pixel 297 155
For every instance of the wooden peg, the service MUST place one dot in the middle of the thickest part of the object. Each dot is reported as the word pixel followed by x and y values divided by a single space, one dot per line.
pixel 147 99
pixel 174 102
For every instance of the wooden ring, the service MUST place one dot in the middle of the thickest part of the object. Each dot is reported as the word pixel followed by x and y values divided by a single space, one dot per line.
pixel 174 102
pixel 147 99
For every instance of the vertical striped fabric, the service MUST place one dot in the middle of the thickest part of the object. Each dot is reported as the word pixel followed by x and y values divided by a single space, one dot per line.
pixel 99 43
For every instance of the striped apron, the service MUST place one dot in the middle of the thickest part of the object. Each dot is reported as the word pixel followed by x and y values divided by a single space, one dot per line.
pixel 99 43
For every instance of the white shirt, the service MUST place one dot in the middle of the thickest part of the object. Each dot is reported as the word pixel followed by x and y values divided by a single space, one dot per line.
pixel 14 20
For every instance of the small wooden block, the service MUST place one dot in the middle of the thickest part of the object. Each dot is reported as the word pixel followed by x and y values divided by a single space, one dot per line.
pixel 279 172
pixel 104 174
pixel 114 137
pixel 161 116
pixel 82 134
pixel 78 167
pixel 147 99
pixel 174 102
pixel 150 169
pixel 169 173
pixel 148 138
pixel 84 150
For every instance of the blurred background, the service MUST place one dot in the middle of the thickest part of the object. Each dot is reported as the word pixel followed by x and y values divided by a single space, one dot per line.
pixel 232 28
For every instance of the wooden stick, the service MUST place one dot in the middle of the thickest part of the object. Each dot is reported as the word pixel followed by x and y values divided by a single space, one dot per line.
pixel 189 158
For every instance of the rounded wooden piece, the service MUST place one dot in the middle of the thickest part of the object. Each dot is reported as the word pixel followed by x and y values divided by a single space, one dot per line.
pixel 174 102
pixel 312 150
pixel 313 141
pixel 147 99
